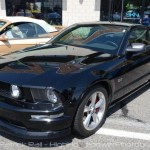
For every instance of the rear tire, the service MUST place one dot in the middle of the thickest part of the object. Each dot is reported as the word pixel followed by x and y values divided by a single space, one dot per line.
pixel 91 113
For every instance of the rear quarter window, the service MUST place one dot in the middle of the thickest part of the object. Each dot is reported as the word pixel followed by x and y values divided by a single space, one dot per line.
pixel 40 30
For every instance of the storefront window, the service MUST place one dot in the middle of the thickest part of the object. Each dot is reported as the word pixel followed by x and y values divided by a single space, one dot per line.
pixel 146 19
pixel 48 10
pixel 126 11
pixel 104 10
pixel 111 10
pixel 132 11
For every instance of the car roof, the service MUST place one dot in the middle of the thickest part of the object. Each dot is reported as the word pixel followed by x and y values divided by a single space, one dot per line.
pixel 14 19
pixel 110 23
pixel 42 23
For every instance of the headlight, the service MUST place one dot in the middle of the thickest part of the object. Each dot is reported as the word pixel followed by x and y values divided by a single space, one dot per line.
pixel 51 95
pixel 45 95
pixel 15 91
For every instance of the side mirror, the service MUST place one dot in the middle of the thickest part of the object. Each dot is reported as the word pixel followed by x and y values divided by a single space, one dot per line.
pixel 136 48
pixel 3 38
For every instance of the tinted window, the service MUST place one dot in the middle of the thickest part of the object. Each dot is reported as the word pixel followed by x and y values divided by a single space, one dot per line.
pixel 139 35
pixel 40 30
pixel 99 37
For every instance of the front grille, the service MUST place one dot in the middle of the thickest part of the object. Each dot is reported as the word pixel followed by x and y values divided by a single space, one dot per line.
pixel 5 93
pixel 38 94
pixel 27 94
pixel 4 86
pixel 5 89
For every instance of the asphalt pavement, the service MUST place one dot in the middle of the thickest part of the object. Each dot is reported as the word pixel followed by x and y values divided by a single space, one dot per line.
pixel 127 127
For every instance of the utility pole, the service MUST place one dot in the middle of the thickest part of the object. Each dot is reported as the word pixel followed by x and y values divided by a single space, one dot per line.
pixel 122 10
pixel 110 10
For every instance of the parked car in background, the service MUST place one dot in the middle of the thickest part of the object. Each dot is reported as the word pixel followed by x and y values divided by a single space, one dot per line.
pixel 70 83
pixel 21 32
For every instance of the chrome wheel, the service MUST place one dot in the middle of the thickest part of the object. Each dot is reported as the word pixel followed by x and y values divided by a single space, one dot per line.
pixel 94 110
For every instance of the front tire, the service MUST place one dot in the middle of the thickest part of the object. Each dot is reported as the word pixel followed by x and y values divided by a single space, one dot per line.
pixel 91 113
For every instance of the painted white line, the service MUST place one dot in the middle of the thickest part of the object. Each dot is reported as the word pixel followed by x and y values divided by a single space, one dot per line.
pixel 125 134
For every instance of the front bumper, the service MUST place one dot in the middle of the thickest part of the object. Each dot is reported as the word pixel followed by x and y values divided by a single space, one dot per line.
pixel 18 122
pixel 25 134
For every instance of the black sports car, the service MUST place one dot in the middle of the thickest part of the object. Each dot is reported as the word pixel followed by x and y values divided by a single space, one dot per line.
pixel 69 83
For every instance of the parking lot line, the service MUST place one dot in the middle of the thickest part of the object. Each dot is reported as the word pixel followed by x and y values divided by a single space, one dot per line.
pixel 125 134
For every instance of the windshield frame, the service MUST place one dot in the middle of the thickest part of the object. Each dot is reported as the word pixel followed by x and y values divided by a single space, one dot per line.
pixel 76 26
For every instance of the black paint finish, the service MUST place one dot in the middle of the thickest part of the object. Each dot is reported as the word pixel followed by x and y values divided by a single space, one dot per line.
pixel 71 76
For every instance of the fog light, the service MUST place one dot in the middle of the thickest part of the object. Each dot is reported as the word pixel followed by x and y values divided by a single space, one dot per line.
pixel 15 92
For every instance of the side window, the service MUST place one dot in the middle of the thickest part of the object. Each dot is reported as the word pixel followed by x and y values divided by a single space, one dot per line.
pixel 29 29
pixel 40 30
pixel 14 32
pixel 21 31
pixel 139 35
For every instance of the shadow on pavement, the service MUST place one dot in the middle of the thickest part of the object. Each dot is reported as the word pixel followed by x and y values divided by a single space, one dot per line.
pixel 37 143
pixel 123 104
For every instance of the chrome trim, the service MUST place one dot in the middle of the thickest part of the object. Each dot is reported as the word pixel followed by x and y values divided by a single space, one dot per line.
pixel 46 118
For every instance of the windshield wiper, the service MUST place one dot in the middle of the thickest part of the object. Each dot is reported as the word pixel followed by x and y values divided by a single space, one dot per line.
pixel 56 43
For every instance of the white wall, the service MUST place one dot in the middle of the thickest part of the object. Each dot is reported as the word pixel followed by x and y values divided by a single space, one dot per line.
pixel 80 11
pixel 2 8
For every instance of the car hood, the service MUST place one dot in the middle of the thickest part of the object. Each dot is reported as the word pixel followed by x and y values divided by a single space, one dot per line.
pixel 50 64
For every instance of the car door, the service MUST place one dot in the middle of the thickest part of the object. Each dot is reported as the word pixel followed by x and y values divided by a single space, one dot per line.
pixel 135 69
pixel 18 36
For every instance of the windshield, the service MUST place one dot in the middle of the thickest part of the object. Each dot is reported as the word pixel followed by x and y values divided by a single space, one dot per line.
pixel 2 23
pixel 106 38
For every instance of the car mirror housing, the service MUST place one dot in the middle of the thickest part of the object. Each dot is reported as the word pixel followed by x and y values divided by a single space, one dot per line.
pixel 3 38
pixel 136 48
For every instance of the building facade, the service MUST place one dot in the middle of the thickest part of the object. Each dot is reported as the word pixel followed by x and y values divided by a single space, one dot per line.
pixel 67 12
pixel 2 8
pixel 80 10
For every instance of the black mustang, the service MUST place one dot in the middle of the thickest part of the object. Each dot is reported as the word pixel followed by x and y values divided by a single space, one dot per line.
pixel 69 83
